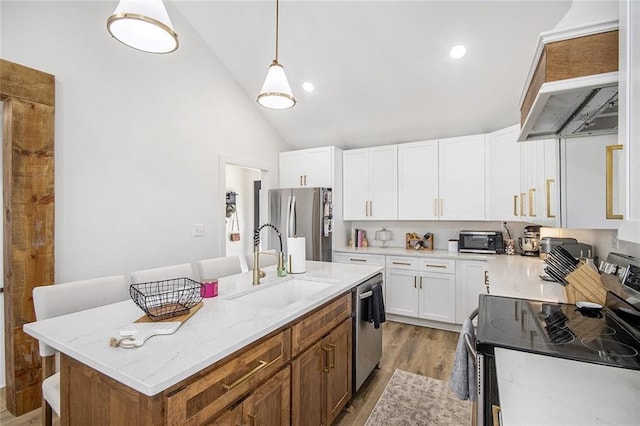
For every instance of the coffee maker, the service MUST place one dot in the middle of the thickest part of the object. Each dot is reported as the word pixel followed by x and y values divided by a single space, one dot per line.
pixel 530 242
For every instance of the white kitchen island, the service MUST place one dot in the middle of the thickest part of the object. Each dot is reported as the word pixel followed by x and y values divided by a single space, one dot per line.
pixel 220 328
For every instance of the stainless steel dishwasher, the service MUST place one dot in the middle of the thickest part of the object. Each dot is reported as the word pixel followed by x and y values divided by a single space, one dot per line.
pixel 367 340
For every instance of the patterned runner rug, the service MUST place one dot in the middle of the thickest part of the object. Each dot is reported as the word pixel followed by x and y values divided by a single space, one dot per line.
pixel 411 399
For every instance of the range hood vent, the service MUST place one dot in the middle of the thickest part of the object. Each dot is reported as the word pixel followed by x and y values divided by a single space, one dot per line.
pixel 572 88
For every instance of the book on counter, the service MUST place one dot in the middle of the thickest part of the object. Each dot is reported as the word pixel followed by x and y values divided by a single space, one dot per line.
pixel 359 237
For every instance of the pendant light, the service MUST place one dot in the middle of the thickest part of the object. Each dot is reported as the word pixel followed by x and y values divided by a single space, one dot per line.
pixel 143 25
pixel 276 92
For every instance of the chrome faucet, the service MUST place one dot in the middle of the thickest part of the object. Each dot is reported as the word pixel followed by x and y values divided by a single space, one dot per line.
pixel 257 273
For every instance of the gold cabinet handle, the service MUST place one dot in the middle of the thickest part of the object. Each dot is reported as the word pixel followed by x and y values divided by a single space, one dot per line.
pixel 357 260
pixel 261 365
pixel 428 265
pixel 415 282
pixel 300 180
pixel 522 204
pixel 515 205
pixel 305 180
pixel 548 183
pixel 370 208
pixel 532 193
pixel 420 282
pixel 366 208
pixel 332 353
pixel 441 207
pixel 609 161
pixel 327 351
pixel 435 207
pixel 401 263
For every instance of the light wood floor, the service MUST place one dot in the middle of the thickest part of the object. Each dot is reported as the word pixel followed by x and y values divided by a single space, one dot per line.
pixel 419 350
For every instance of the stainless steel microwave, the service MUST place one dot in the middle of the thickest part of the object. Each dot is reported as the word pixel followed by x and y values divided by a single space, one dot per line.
pixel 481 242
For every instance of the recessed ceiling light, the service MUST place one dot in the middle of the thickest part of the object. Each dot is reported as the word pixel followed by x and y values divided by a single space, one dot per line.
pixel 458 51
pixel 308 87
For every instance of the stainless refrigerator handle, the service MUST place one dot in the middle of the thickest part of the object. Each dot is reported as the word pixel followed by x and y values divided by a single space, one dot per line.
pixel 291 217
pixel 316 225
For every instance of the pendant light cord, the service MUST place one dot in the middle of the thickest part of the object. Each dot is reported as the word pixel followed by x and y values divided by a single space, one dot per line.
pixel 277 21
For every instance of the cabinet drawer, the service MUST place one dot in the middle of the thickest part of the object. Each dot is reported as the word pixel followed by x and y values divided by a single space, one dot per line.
pixel 444 266
pixel 364 259
pixel 306 332
pixel 395 262
pixel 212 392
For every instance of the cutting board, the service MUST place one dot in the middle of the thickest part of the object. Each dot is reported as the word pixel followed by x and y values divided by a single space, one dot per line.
pixel 180 318
pixel 585 284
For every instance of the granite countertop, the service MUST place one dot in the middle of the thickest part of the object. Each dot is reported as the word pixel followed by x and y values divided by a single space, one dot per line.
pixel 543 390
pixel 218 329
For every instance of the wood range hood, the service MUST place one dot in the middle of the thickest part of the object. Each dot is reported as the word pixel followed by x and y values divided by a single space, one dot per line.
pixel 572 86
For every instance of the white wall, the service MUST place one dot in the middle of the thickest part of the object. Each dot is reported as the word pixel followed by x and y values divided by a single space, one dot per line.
pixel 139 138
pixel 600 239
pixel 442 231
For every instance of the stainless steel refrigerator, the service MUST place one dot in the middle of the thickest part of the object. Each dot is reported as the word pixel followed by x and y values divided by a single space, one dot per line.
pixel 303 212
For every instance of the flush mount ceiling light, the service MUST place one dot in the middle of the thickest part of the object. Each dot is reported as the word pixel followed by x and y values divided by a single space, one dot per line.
pixel 458 51
pixel 276 92
pixel 143 25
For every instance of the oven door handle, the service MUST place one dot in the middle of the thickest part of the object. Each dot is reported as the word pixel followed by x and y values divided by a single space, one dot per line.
pixel 467 339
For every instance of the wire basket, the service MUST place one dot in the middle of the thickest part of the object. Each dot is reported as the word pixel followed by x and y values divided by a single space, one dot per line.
pixel 167 298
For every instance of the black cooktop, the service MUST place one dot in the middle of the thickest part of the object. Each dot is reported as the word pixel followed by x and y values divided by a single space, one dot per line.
pixel 610 336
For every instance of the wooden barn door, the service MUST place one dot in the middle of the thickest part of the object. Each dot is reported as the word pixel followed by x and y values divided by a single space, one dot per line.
pixel 28 185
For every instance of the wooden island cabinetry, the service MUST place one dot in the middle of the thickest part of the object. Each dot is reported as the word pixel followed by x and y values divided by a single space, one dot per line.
pixel 299 374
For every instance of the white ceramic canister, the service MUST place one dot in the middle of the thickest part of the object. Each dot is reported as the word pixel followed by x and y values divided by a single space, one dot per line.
pixel 453 246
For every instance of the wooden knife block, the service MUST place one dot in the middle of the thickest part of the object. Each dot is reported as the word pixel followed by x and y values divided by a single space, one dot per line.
pixel 584 284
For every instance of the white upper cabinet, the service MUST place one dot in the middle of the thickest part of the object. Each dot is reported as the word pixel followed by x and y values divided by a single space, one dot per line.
pixel 629 107
pixel 548 188
pixel 503 174
pixel 461 178
pixel 307 168
pixel 528 200
pixel 370 183
pixel 418 180
pixel 592 176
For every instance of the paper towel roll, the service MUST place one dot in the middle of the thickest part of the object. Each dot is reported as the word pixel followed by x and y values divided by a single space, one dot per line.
pixel 297 256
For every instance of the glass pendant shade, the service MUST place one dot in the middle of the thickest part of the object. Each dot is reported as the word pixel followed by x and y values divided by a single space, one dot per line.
pixel 276 92
pixel 143 25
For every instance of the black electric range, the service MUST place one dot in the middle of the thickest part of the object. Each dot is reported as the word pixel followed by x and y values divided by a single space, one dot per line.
pixel 610 336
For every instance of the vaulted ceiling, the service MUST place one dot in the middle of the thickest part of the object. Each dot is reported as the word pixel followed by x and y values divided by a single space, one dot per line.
pixel 381 69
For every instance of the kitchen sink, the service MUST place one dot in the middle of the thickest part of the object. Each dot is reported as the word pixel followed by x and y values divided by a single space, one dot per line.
pixel 282 294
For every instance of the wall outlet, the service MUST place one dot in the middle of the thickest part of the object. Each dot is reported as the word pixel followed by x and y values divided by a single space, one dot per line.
pixel 198 230
pixel 614 239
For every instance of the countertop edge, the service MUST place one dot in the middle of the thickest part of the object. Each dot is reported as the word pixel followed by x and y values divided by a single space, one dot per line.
pixel 368 271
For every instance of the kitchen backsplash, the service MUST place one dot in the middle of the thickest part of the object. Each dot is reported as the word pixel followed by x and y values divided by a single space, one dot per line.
pixel 601 239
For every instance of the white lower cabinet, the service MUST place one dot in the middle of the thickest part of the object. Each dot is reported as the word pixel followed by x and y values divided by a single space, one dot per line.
pixel 402 292
pixel 421 288
pixel 471 275
pixel 437 296
pixel 358 259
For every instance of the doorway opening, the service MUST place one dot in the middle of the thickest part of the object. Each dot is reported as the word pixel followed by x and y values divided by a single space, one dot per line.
pixel 242 208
